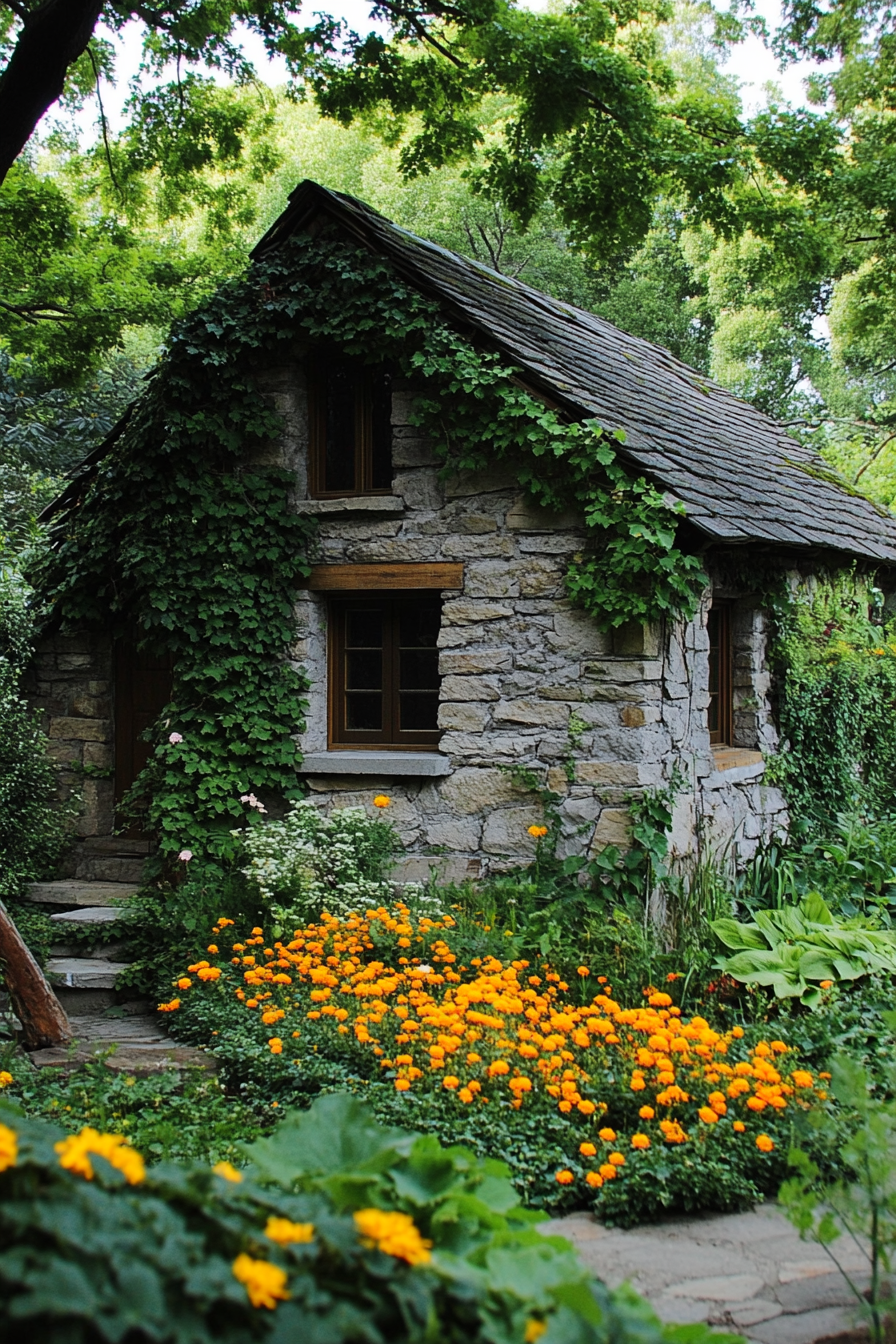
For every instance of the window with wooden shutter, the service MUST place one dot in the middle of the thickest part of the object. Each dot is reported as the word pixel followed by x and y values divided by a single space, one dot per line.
pixel 350 414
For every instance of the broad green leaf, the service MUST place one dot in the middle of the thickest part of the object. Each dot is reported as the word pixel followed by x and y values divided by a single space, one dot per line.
pixel 738 936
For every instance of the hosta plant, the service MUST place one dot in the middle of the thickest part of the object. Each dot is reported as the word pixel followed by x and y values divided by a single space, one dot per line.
pixel 797 949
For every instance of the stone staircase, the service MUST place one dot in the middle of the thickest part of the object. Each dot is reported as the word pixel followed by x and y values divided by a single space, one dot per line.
pixel 105 873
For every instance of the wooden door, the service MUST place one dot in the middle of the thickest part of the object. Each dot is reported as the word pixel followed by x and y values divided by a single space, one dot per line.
pixel 143 683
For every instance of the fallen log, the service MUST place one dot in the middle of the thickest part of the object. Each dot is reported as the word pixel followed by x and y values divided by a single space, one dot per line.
pixel 42 1016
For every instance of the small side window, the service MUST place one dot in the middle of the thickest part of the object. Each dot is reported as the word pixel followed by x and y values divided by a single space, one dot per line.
pixel 721 675
pixel 384 671
pixel 350 408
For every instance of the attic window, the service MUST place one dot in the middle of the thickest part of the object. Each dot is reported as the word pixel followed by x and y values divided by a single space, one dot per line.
pixel 350 407
pixel 721 675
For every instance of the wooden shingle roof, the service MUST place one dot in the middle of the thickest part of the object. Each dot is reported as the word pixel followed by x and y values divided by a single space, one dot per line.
pixel 739 476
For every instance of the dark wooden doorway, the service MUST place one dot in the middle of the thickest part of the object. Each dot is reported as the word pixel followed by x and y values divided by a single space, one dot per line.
pixel 143 683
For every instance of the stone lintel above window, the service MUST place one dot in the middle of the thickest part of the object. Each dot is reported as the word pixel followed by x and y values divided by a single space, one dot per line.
pixel 382 764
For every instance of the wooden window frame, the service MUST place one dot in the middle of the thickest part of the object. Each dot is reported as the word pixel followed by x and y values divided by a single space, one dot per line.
pixel 317 436
pixel 339 738
pixel 723 734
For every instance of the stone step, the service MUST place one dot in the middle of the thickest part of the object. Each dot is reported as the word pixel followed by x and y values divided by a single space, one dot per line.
pixel 88 915
pixel 92 952
pixel 84 972
pixel 68 892
pixel 129 1057
pixel 118 846
pixel 109 868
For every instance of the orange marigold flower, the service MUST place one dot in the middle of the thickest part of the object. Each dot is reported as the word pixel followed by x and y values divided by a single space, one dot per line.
pixel 265 1283
pixel 764 1143
pixel 170 1007
pixel 801 1078
pixel 607 1171
pixel 637 1083
pixel 608 1135
pixel 594 1179
pixel 287 1233
pixel 738 1126
pixel 465 1095
pixel 737 1032
pixel 756 1103
pixel 276 1045
pixel 826 984
pixel 184 982
pixel 538 832
pixel 564 1177
pixel 450 1082
pixel 640 1141
pixel 583 971
pixel 647 1113
pixel 616 1159
pixel 402 1085
pixel 587 1149
pixel 228 1172
pixel 382 800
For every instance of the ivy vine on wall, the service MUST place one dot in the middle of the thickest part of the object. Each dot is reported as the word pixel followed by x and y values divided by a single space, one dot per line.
pixel 179 539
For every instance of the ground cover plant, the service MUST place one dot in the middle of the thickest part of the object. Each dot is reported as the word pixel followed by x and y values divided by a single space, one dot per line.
pixel 626 1108
pixel 339 1229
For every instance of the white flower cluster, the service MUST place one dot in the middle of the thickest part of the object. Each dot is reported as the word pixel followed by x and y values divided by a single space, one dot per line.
pixel 311 862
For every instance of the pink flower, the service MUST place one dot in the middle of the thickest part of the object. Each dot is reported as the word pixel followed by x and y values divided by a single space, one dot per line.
pixel 185 855
pixel 174 738
pixel 252 801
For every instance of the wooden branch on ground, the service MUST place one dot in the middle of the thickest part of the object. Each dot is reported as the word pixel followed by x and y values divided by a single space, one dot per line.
pixel 41 1014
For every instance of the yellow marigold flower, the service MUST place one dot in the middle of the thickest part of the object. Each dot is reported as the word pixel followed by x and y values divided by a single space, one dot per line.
pixel 393 1233
pixel 647 1113
pixel 616 1159
pixel 5 1078
pixel 276 1045
pixel 608 1135
pixel 534 1330
pixel 74 1154
pixel 764 1143
pixel 538 832
pixel 564 1177
pixel 640 1141
pixel 587 1149
pixel 381 800
pixel 9 1147
pixel 286 1233
pixel 228 1172
pixel 594 1179
pixel 265 1283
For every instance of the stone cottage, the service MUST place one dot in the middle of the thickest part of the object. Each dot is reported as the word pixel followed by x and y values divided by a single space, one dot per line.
pixel 442 650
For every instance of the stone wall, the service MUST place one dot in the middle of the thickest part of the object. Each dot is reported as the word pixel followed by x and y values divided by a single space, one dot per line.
pixel 70 682
pixel 527 679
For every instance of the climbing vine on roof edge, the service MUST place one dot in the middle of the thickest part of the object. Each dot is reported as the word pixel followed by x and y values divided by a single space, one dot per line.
pixel 184 535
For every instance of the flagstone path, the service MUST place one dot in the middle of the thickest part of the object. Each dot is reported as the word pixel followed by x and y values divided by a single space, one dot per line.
pixel 745 1272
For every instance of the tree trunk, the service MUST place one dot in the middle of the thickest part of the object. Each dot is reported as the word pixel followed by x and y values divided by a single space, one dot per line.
pixel 41 1014
pixel 50 40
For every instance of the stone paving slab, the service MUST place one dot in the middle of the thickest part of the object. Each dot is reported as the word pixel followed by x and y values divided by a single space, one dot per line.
pixel 745 1272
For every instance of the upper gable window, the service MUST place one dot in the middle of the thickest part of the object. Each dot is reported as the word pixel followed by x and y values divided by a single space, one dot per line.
pixel 351 428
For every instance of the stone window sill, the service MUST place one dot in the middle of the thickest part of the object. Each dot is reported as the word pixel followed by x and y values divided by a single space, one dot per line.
pixel 379 763
pixel 352 504
pixel 733 758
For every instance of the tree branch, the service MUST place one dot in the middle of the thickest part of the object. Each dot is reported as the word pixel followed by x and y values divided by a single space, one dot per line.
pixel 873 458
pixel 52 39
pixel 36 313
pixel 422 32
pixel 104 124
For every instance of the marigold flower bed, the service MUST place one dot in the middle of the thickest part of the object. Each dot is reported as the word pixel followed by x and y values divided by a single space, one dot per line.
pixel 637 1086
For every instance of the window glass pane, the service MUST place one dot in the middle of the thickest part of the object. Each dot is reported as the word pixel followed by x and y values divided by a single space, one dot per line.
pixel 381 431
pixel 418 710
pixel 339 456
pixel 419 669
pixel 364 628
pixel 363 670
pixel 363 711
pixel 419 625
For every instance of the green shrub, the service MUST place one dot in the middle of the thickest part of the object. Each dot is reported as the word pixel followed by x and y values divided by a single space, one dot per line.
pixel 340 1230
pixel 32 825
